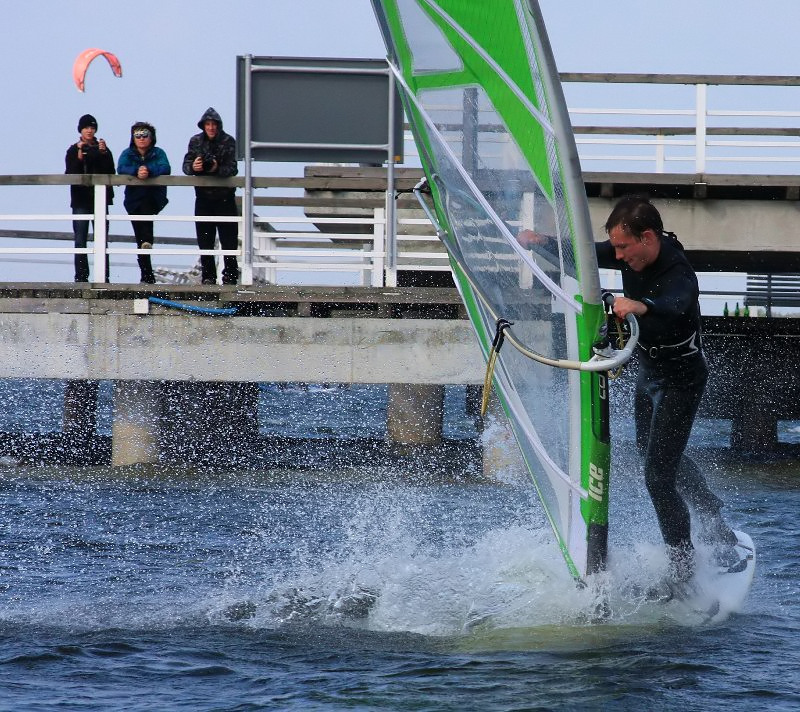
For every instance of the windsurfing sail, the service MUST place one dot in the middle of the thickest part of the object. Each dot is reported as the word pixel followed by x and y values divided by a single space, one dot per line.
pixel 484 103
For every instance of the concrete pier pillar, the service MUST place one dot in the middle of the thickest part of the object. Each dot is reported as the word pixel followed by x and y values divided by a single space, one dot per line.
pixel 211 423
pixel 414 413
pixel 80 409
pixel 79 421
pixel 136 423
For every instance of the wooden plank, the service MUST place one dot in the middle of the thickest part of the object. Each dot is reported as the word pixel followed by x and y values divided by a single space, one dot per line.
pixel 374 183
pixel 634 130
pixel 353 183
pixel 711 179
pixel 370 203
pixel 715 79
pixel 683 131
pixel 363 171
pixel 341 295
pixel 78 299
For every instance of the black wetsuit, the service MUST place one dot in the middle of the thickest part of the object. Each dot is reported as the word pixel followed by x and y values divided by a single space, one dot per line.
pixel 671 380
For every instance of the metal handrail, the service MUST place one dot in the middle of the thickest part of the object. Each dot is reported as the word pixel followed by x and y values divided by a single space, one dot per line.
pixel 286 250
pixel 346 250
pixel 697 137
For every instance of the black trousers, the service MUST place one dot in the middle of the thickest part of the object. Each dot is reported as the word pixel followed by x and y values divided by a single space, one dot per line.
pixel 228 236
pixel 143 232
pixel 667 396
pixel 80 229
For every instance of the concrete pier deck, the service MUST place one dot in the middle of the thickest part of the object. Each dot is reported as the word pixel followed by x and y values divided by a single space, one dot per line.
pixel 279 334
pixel 162 358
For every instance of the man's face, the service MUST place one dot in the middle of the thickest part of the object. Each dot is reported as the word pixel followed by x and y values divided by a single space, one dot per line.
pixel 211 128
pixel 637 253
pixel 87 133
pixel 142 140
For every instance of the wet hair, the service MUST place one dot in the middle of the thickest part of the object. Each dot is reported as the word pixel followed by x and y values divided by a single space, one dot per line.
pixel 635 214
pixel 139 125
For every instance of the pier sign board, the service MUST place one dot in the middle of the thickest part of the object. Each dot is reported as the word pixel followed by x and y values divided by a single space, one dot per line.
pixel 317 110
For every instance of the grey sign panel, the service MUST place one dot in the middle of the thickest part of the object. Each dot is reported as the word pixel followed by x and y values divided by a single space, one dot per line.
pixel 317 110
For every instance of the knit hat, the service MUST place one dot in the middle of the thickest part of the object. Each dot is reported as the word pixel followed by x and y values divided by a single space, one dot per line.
pixel 86 120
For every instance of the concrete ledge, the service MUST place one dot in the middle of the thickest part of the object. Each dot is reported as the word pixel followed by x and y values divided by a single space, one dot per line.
pixel 183 347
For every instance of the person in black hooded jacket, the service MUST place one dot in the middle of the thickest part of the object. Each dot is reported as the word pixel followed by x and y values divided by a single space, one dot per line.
pixel 212 153
pixel 660 288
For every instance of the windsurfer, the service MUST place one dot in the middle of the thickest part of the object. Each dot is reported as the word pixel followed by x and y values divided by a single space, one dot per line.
pixel 660 288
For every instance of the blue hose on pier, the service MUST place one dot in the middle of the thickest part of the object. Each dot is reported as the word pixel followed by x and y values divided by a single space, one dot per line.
pixel 208 311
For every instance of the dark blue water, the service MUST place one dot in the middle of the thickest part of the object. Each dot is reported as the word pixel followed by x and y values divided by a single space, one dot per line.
pixel 156 589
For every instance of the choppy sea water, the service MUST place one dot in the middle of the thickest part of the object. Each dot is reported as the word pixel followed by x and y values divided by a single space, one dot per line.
pixel 151 588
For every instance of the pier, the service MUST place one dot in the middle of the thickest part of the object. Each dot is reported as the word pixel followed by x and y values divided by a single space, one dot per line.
pixel 165 360
pixel 399 321
pixel 173 369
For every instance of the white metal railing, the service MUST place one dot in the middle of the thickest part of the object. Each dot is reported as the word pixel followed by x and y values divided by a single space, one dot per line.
pixel 295 250
pixel 283 243
pixel 100 247
pixel 764 139
pixel 286 244
pixel 346 251
pixel 721 123
pixel 702 123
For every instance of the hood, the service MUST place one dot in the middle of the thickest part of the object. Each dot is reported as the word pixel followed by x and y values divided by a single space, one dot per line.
pixel 210 114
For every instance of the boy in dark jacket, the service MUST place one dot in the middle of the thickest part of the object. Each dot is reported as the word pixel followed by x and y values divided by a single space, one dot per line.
pixel 88 155
pixel 212 153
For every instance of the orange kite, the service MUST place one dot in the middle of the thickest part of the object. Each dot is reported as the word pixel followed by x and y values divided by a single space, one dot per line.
pixel 85 58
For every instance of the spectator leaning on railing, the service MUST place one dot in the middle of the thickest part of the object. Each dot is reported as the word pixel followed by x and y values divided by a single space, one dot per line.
pixel 88 155
pixel 144 160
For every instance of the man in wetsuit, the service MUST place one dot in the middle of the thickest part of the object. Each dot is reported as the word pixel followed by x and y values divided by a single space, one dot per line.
pixel 660 288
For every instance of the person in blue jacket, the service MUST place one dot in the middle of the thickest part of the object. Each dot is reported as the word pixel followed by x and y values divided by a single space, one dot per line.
pixel 660 288
pixel 144 160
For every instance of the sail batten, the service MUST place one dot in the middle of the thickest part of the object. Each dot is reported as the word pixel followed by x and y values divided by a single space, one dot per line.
pixel 538 115
pixel 476 193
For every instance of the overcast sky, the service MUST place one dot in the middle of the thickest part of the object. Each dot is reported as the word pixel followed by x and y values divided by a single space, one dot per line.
pixel 179 57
